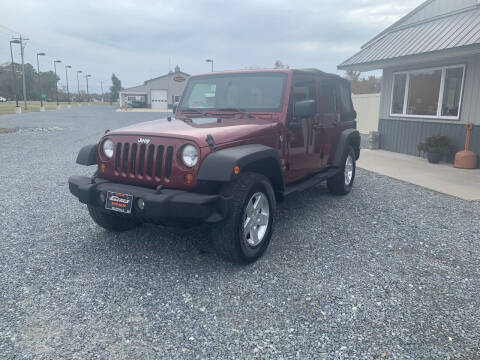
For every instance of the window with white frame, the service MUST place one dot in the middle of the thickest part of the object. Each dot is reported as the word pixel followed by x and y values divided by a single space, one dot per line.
pixel 434 93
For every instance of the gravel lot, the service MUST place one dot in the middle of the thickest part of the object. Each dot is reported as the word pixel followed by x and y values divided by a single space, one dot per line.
pixel 390 271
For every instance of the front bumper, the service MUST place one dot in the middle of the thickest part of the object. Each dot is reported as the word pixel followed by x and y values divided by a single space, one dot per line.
pixel 169 207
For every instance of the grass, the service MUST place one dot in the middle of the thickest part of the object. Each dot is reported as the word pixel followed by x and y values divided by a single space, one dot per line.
pixel 9 106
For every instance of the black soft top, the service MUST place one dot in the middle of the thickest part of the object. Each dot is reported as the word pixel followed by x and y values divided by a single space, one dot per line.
pixel 320 73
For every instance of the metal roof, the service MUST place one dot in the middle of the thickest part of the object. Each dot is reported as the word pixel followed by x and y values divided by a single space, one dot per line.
pixel 446 32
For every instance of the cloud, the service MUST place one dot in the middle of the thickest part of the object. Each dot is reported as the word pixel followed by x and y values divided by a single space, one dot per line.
pixel 137 40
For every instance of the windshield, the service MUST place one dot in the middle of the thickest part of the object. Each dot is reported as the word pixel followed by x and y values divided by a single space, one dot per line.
pixel 251 92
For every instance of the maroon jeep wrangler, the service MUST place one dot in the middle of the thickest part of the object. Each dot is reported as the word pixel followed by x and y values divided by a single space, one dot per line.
pixel 239 142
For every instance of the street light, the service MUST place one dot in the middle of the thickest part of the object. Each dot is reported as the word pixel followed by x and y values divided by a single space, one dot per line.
pixel 56 80
pixel 39 79
pixel 86 78
pixel 14 77
pixel 78 84
pixel 210 61
pixel 66 76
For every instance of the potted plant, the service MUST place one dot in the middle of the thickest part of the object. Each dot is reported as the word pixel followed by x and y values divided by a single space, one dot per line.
pixel 436 147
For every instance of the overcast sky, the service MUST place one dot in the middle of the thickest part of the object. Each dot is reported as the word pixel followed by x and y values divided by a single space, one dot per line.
pixel 138 39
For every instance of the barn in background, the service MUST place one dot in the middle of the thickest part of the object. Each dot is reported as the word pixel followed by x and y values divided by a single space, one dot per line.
pixel 158 93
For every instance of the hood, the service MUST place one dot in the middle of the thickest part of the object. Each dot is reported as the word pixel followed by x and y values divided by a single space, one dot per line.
pixel 196 129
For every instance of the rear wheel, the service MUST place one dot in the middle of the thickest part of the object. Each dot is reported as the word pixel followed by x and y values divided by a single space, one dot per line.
pixel 246 233
pixel 342 182
pixel 112 222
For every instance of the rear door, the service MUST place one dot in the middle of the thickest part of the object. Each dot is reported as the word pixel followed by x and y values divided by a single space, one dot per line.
pixel 337 114
pixel 330 118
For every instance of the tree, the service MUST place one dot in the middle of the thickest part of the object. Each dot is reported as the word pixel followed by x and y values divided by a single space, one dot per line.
pixel 279 65
pixel 369 85
pixel 115 88
pixel 47 79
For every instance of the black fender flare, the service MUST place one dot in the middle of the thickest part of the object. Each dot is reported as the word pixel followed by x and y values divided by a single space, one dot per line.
pixel 347 137
pixel 88 155
pixel 219 166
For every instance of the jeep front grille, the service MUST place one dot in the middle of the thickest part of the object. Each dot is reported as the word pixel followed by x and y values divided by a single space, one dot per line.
pixel 141 160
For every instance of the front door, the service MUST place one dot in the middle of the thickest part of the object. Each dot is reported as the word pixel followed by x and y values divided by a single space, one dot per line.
pixel 159 99
pixel 301 144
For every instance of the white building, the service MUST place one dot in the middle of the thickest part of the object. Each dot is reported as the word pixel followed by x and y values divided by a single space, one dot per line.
pixel 431 75
pixel 158 93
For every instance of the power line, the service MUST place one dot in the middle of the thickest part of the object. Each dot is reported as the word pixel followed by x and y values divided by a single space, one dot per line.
pixel 11 30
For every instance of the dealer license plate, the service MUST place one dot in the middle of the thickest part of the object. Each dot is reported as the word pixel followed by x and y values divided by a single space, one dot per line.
pixel 119 202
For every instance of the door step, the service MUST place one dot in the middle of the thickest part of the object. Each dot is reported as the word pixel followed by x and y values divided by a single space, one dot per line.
pixel 310 182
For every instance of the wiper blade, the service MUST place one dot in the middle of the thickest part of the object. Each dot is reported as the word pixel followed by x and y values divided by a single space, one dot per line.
pixel 195 111
pixel 240 111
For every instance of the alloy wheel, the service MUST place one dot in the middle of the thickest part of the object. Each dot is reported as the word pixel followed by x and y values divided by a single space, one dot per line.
pixel 256 219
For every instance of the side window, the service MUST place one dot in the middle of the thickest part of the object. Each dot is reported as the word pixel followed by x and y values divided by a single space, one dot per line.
pixel 345 100
pixel 304 89
pixel 328 98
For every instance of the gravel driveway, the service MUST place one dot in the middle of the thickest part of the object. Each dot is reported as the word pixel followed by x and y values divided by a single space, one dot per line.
pixel 390 271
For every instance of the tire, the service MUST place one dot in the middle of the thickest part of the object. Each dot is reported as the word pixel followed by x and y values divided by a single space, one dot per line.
pixel 342 182
pixel 112 222
pixel 249 193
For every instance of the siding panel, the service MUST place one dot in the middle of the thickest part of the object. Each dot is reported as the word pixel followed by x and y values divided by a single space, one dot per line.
pixel 403 136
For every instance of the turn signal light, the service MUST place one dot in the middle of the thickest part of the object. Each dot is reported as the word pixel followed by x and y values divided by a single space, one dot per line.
pixel 189 179
pixel 236 170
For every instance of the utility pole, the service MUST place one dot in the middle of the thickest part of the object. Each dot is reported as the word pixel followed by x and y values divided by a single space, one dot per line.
pixel 78 85
pixel 22 48
pixel 66 76
pixel 40 80
pixel 56 80
pixel 88 95
pixel 101 85
pixel 23 73
pixel 14 75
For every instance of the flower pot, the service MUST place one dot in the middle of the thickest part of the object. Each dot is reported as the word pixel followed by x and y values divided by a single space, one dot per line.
pixel 434 157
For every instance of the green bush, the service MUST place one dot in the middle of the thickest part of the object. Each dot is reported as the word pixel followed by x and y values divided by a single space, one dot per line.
pixel 436 143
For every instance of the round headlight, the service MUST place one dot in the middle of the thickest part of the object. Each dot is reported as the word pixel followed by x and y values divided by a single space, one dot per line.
pixel 190 155
pixel 108 148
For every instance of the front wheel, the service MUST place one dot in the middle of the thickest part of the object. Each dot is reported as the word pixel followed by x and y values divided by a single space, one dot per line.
pixel 342 182
pixel 246 233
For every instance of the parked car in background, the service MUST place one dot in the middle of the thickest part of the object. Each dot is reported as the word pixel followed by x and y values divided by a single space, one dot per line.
pixel 2 99
pixel 239 142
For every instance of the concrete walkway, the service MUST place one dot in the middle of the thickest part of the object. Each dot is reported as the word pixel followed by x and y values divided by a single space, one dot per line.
pixel 443 178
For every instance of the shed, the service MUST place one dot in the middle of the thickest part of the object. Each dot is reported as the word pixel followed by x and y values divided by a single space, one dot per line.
pixel 158 93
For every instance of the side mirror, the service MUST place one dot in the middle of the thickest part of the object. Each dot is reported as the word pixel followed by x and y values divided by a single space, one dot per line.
pixel 305 109
pixel 174 107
